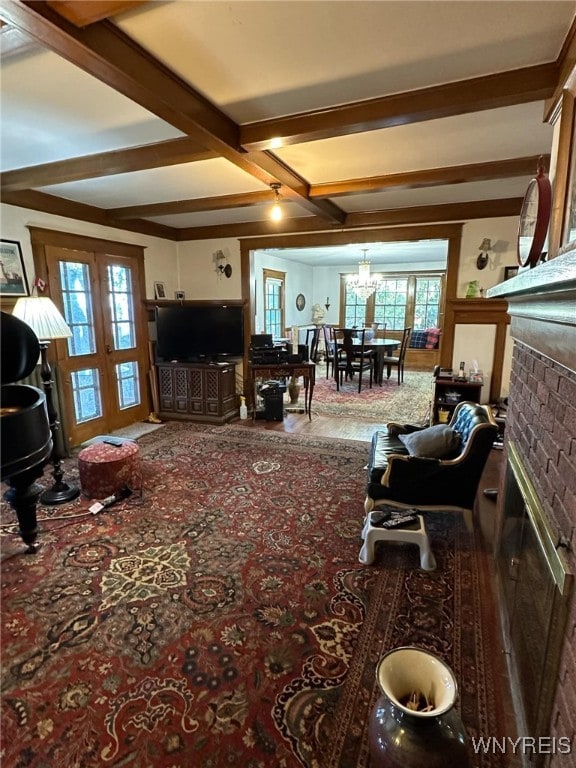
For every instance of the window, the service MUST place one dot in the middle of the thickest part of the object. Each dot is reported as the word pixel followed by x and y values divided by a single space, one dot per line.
pixel 389 303
pixel 274 303
pixel 399 302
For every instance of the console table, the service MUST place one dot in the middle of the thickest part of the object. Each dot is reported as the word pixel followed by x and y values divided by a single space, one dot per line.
pixel 285 371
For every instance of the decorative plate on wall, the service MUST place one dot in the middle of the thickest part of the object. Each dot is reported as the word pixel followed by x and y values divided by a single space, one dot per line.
pixel 300 302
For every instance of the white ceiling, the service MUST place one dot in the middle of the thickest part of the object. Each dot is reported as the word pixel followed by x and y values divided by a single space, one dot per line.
pixel 261 60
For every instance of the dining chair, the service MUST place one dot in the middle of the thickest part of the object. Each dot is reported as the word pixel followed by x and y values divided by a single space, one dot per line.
pixel 397 361
pixel 350 356
pixel 312 339
pixel 329 345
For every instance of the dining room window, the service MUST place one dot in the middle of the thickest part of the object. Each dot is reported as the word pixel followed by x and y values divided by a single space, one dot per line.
pixel 274 303
pixel 398 302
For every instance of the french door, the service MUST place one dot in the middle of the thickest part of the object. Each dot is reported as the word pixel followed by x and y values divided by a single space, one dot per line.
pixel 103 365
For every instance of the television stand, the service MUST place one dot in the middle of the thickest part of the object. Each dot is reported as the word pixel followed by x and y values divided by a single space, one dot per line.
pixel 198 391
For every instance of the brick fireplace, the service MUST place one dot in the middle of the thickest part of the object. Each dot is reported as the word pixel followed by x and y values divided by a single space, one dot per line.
pixel 538 496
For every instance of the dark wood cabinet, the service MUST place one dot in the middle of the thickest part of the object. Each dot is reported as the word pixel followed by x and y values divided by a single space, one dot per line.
pixel 448 393
pixel 198 391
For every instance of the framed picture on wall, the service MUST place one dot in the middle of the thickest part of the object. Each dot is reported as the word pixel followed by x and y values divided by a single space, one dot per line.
pixel 159 291
pixel 510 272
pixel 13 280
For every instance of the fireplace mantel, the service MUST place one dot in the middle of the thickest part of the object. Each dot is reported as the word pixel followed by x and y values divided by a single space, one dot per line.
pixel 542 307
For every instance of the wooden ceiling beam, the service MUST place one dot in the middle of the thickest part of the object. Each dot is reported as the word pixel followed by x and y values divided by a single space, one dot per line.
pixel 105 52
pixel 433 177
pixel 84 12
pixel 194 205
pixel 426 214
pixel 59 206
pixel 503 89
pixel 158 155
pixel 477 209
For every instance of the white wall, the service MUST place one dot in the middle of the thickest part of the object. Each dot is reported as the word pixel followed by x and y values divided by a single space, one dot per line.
pixel 299 279
pixel 196 273
pixel 502 232
pixel 160 256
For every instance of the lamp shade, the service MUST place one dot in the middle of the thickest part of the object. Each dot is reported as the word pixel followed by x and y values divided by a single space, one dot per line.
pixel 42 315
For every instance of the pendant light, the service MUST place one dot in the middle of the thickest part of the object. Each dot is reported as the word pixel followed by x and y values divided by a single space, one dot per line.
pixel 276 210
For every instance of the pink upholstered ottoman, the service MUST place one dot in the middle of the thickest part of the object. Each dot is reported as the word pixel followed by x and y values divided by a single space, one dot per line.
pixel 105 469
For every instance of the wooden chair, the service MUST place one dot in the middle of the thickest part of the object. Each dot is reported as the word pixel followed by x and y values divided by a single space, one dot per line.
pixel 393 361
pixel 329 346
pixel 351 357
pixel 312 339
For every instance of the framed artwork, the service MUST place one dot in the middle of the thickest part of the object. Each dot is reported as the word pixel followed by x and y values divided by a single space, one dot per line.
pixel 13 280
pixel 300 302
pixel 510 272
pixel 159 291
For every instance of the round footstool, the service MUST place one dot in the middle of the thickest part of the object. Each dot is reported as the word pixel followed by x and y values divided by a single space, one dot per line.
pixel 104 469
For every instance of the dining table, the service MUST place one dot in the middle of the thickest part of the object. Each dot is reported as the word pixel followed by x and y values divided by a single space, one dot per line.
pixel 382 348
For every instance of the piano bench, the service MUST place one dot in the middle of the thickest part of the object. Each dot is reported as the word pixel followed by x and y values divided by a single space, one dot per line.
pixel 104 469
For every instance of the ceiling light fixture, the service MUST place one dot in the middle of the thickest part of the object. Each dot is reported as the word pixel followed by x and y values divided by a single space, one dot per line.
pixel 483 258
pixel 276 210
pixel 364 283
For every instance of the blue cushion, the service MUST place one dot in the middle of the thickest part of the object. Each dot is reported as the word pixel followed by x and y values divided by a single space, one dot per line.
pixel 418 339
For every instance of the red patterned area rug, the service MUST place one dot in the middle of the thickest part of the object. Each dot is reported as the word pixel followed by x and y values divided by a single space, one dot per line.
pixel 407 403
pixel 222 617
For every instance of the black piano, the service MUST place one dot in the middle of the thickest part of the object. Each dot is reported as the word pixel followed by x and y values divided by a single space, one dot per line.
pixel 25 437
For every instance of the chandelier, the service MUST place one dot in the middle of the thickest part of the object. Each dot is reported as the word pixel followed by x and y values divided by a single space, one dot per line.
pixel 364 283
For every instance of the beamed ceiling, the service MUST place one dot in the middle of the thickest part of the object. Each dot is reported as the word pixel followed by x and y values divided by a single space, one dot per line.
pixel 174 118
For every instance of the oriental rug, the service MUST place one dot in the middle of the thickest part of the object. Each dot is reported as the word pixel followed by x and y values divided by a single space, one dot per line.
pixel 408 403
pixel 221 617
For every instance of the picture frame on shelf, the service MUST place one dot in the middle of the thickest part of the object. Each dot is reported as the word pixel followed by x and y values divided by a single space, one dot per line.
pixel 13 280
pixel 510 272
pixel 159 291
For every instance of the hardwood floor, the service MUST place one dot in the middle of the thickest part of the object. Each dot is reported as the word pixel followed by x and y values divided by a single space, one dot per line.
pixel 321 426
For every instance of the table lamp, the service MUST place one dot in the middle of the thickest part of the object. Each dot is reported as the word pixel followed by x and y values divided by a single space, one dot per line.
pixel 42 315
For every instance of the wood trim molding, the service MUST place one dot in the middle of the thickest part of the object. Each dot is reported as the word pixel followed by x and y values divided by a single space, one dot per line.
pixel 477 312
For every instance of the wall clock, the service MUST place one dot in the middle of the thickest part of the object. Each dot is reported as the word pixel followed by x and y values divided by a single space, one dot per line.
pixel 300 302
pixel 534 219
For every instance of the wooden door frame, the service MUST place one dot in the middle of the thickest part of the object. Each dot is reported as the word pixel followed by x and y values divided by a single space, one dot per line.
pixel 42 238
pixel 450 232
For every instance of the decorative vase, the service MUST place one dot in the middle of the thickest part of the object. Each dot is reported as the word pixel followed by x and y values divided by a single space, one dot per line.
pixel 293 392
pixel 473 289
pixel 414 722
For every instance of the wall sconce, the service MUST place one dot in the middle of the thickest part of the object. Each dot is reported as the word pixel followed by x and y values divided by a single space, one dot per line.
pixel 222 266
pixel 276 210
pixel 482 260
pixel 327 305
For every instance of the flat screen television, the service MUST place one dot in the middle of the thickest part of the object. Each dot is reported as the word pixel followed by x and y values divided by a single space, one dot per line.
pixel 197 333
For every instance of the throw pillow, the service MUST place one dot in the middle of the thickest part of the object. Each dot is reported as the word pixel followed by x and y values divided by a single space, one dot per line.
pixel 432 338
pixel 418 339
pixel 435 442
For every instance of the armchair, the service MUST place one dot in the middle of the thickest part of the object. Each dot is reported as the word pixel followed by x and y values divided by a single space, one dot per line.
pixel 400 478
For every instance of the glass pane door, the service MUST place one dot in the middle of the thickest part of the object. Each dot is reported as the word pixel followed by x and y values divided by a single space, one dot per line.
pixel 104 363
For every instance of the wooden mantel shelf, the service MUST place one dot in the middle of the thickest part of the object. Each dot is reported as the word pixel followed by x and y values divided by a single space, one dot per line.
pixel 542 306
pixel 477 310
